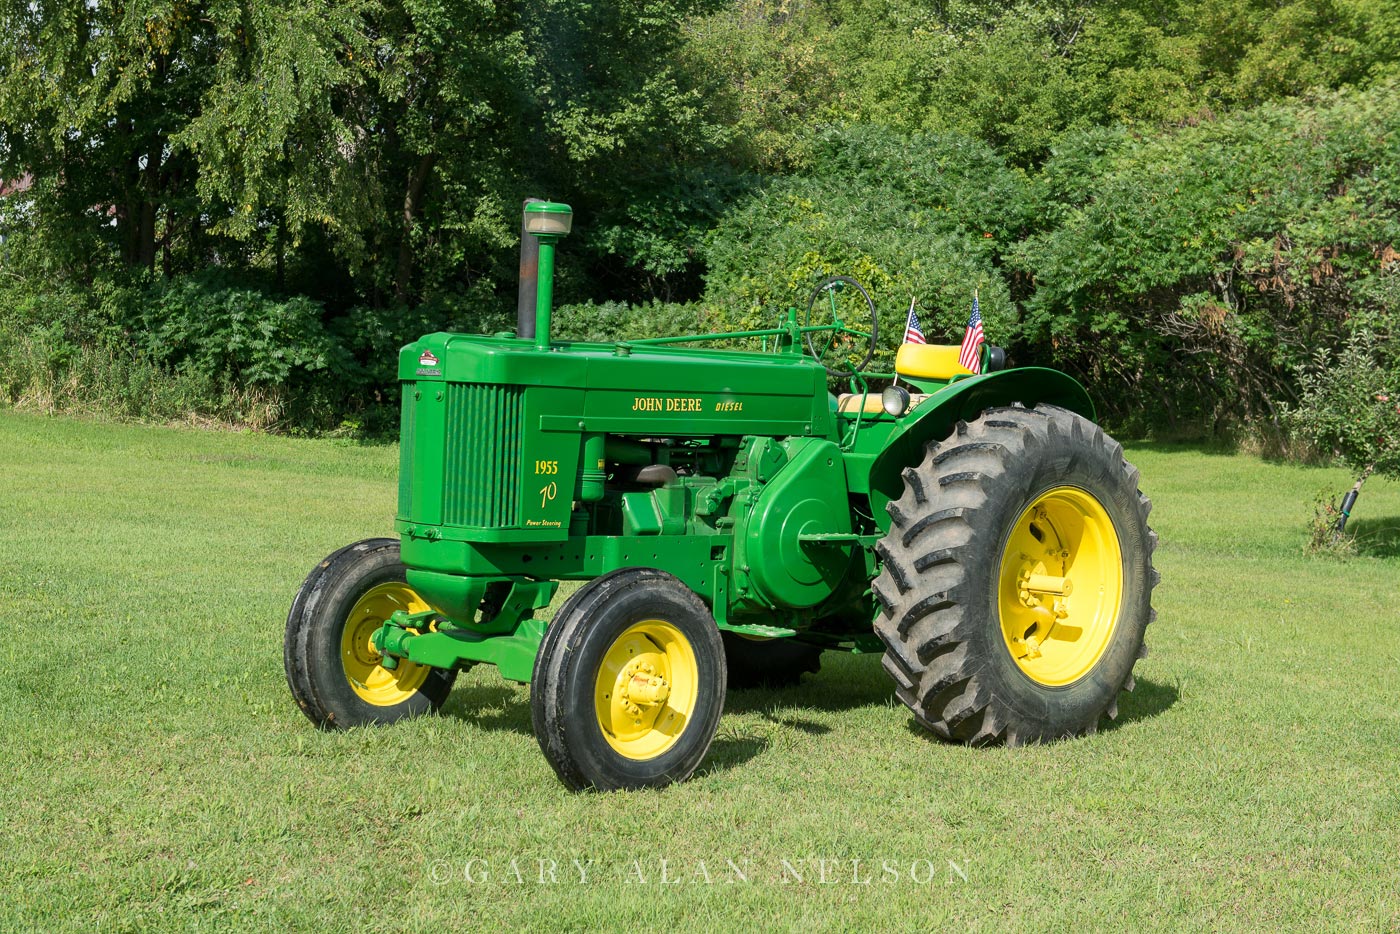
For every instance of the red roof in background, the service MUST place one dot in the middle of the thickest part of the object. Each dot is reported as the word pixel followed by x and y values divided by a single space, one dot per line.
pixel 22 183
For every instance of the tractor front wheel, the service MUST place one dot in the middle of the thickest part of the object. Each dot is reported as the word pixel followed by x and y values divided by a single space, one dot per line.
pixel 628 683
pixel 332 667
pixel 1017 579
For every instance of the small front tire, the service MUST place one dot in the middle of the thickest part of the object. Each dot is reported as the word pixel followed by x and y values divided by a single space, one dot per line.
pixel 333 670
pixel 629 683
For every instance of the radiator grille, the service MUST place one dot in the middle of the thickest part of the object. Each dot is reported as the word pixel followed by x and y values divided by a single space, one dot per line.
pixel 407 424
pixel 481 467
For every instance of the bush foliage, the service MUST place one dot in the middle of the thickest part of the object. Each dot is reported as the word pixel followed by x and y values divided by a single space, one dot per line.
pixel 1350 404
pixel 1181 203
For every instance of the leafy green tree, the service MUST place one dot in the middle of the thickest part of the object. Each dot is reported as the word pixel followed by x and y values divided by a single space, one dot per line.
pixel 1022 74
pixel 1012 85
pixel 768 70
pixel 362 123
pixel 1349 409
pixel 91 98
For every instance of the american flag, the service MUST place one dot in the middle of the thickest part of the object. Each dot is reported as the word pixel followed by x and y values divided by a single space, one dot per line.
pixel 971 354
pixel 913 334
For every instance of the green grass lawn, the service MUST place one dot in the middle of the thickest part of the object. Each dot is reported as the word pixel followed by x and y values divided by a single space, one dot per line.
pixel 158 774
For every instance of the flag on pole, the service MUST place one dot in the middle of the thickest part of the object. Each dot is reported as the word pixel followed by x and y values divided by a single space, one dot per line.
pixel 971 354
pixel 913 334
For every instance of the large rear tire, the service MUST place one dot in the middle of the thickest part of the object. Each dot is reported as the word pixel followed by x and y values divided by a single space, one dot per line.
pixel 1017 579
pixel 332 668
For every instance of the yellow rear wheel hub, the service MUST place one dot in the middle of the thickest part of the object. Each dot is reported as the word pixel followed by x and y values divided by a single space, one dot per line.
pixel 374 683
pixel 647 688
pixel 1060 588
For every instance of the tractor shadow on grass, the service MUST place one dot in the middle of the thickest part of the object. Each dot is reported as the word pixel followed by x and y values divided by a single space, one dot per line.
pixel 490 707
pixel 505 708
pixel 730 752
pixel 844 683
pixel 502 708
pixel 1148 699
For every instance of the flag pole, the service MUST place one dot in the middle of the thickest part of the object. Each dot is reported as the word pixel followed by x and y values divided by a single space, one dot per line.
pixel 913 297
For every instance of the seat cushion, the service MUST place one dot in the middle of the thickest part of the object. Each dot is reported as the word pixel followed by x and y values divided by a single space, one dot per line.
pixel 929 361
pixel 852 402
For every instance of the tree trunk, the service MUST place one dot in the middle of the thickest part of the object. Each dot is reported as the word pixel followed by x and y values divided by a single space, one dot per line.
pixel 412 203
pixel 128 210
pixel 150 188
pixel 1349 502
pixel 281 251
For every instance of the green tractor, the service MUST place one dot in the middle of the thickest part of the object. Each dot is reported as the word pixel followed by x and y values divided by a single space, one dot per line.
pixel 731 520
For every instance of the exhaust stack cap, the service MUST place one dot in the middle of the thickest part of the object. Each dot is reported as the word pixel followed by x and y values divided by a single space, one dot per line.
pixel 548 218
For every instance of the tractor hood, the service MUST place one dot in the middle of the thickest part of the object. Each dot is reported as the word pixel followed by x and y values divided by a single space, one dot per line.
pixel 639 390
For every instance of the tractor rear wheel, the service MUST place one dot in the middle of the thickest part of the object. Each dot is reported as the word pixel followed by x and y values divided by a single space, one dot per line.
pixel 768 663
pixel 628 683
pixel 1017 579
pixel 332 668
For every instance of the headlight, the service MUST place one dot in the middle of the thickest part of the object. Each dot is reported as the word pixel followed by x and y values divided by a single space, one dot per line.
pixel 895 399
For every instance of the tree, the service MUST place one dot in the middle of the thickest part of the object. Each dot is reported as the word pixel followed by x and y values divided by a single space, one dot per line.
pixel 91 100
pixel 1350 409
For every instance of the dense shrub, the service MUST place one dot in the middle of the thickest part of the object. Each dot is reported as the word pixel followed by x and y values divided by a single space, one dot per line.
pixel 1190 273
pixel 212 348
pixel 238 333
pixel 1187 276
pixel 41 371
pixel 923 216
pixel 615 321
pixel 1184 276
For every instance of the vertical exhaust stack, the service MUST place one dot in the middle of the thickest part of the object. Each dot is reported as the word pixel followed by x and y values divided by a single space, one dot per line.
pixel 529 276
pixel 547 222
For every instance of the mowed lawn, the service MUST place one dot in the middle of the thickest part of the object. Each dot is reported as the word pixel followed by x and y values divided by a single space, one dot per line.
pixel 158 776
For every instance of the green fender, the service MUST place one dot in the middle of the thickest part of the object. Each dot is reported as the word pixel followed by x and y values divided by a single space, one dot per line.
pixel 963 400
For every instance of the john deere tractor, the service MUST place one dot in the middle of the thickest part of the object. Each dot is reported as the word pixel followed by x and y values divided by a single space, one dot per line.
pixel 731 520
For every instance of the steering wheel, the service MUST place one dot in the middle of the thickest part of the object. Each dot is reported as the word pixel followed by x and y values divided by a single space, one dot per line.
pixel 834 302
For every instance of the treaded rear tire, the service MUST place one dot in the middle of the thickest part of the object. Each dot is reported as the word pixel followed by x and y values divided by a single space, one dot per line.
pixel 939 584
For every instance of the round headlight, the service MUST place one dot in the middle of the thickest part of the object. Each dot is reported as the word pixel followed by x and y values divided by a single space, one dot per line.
pixel 895 399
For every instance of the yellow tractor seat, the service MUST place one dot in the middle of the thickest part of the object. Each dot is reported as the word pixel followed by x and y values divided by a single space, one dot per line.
pixel 929 361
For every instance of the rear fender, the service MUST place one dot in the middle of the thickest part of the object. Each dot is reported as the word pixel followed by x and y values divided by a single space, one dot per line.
pixel 964 400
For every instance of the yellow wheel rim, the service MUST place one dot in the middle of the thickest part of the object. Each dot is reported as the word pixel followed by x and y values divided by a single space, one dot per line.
pixel 647 689
pixel 1061 586
pixel 374 683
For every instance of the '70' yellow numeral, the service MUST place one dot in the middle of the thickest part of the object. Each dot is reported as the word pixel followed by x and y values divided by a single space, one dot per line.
pixel 547 493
